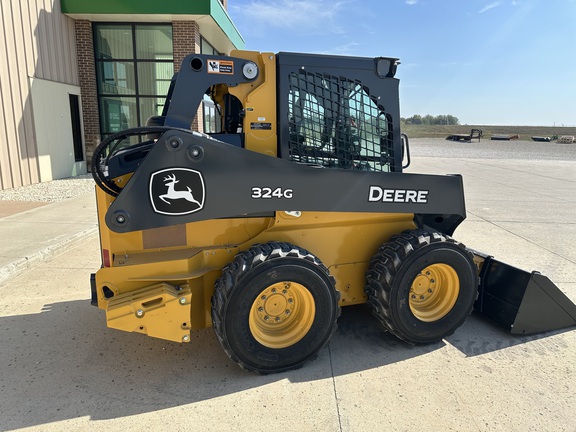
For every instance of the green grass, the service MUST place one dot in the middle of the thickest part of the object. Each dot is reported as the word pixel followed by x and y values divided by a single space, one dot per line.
pixel 524 132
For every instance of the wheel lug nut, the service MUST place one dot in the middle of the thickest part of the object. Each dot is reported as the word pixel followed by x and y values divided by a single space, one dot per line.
pixel 290 300
pixel 263 297
pixel 430 291
pixel 260 309
pixel 277 319
pixel 266 318
pixel 432 281
pixel 287 311
pixel 273 290
pixel 413 296
pixel 421 297
pixel 284 291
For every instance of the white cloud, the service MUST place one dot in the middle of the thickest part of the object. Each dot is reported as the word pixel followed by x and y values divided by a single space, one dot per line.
pixel 411 2
pixel 490 6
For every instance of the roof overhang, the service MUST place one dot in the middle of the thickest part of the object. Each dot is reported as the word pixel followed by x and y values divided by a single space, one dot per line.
pixel 215 24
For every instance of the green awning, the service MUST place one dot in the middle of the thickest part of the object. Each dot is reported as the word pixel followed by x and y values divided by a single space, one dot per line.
pixel 215 24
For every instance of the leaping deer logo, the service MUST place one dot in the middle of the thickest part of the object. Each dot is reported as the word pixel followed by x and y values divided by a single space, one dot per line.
pixel 174 194
pixel 167 197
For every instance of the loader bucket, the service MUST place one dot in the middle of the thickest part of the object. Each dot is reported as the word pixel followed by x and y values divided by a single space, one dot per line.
pixel 522 302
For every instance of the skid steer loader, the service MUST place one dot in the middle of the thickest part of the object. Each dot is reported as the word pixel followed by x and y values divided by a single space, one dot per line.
pixel 295 208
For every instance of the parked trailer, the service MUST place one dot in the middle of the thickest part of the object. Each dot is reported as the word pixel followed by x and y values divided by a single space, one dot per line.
pixel 474 134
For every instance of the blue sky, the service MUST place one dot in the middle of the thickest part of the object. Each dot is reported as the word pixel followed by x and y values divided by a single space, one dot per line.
pixel 507 62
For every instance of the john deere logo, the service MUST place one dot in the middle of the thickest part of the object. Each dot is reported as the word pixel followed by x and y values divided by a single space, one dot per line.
pixel 177 191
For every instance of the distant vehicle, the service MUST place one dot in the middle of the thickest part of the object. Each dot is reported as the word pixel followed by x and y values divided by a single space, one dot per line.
pixel 474 134
pixel 541 138
pixel 504 137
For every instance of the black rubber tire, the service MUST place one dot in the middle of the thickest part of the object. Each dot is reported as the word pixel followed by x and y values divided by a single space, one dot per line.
pixel 395 267
pixel 241 283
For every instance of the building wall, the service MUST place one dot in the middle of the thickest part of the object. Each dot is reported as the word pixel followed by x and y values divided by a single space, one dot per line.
pixel 87 77
pixel 36 41
pixel 56 158
pixel 44 57
pixel 186 40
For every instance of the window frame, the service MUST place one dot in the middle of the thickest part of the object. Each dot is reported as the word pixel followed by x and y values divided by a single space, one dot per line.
pixel 99 63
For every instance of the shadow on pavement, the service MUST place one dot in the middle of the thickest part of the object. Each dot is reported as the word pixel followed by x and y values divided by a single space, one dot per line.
pixel 63 363
pixel 478 336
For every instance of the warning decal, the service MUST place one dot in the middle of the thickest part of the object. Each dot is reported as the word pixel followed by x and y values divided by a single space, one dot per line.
pixel 221 67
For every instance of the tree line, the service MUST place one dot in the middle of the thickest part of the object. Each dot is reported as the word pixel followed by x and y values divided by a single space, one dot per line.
pixel 431 120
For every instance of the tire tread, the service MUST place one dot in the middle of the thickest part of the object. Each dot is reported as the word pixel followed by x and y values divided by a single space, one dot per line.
pixel 385 266
pixel 242 264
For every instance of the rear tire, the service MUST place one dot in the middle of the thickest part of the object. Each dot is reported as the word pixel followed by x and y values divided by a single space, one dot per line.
pixel 274 308
pixel 422 285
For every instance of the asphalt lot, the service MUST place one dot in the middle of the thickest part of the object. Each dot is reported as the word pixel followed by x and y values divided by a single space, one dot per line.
pixel 62 369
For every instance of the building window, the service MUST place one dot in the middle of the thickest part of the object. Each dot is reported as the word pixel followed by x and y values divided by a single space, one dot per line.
pixel 207 48
pixel 209 110
pixel 211 116
pixel 134 66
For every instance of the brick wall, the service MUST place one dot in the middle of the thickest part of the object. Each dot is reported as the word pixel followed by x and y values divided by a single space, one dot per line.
pixel 87 77
pixel 186 40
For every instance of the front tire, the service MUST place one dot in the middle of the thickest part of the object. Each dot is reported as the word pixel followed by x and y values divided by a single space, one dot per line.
pixel 274 308
pixel 422 285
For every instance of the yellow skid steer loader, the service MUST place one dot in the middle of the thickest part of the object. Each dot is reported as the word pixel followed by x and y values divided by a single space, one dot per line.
pixel 297 206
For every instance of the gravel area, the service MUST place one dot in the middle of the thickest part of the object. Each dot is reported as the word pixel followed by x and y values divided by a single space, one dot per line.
pixel 52 191
pixel 488 149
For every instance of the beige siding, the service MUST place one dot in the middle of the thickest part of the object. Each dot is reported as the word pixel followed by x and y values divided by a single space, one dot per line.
pixel 36 41
pixel 54 133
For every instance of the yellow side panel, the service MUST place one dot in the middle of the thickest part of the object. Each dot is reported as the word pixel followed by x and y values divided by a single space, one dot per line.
pixel 161 311
pixel 110 240
pixel 259 101
pixel 136 277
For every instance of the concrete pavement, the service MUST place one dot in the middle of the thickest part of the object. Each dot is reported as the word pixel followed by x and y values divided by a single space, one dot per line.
pixel 32 232
pixel 62 369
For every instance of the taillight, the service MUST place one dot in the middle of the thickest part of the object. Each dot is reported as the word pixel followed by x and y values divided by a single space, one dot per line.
pixel 106 257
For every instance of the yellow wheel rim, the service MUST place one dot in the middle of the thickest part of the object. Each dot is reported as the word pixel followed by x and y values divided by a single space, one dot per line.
pixel 282 315
pixel 434 292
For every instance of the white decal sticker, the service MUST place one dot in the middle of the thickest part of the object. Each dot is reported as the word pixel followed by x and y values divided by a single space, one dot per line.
pixel 177 191
pixel 378 194
pixel 269 193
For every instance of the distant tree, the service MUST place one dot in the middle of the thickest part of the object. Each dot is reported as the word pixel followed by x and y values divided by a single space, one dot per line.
pixel 415 119
pixel 440 120
pixel 428 119
pixel 453 120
